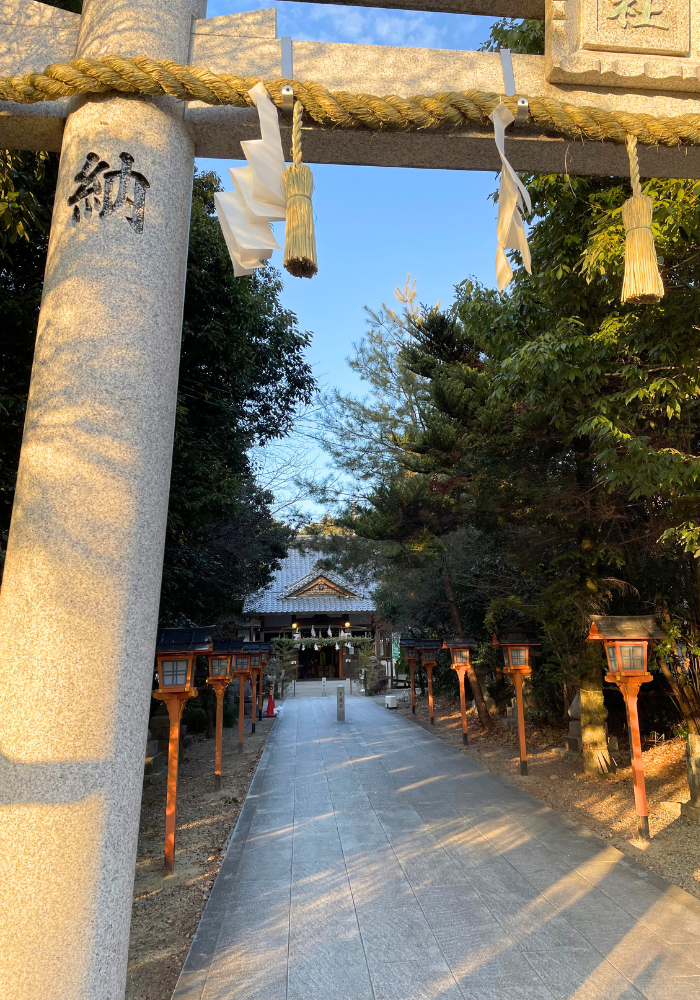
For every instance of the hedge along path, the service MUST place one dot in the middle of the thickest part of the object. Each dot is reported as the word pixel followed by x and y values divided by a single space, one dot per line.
pixel 339 109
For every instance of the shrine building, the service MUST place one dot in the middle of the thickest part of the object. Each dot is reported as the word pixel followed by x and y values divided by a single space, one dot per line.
pixel 302 600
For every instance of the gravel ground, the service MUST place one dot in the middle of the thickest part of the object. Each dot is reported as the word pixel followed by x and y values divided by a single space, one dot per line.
pixel 167 909
pixel 603 805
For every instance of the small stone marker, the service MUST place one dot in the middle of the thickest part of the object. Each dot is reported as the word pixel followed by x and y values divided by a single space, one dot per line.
pixel 323 686
pixel 340 695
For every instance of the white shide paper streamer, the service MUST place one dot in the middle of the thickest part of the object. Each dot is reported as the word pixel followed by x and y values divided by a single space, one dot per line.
pixel 510 231
pixel 245 214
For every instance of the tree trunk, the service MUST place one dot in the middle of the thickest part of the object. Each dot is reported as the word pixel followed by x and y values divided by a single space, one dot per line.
pixel 594 730
pixel 684 696
pixel 481 709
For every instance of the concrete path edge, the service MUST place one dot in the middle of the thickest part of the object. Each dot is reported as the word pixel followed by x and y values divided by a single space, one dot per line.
pixel 193 977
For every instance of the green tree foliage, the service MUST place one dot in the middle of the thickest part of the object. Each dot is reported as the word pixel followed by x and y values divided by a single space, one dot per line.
pixel 550 457
pixel 23 215
pixel 21 275
pixel 526 36
pixel 242 376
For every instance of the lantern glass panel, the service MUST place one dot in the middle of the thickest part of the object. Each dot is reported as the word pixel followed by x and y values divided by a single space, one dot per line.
pixel 174 673
pixel 460 656
pixel 255 661
pixel 632 657
pixel 410 652
pixel 219 666
pixel 518 657
pixel 241 663
pixel 612 658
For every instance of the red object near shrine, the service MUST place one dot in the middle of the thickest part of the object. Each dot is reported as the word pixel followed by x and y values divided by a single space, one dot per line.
pixel 271 702
pixel 516 652
pixel 176 653
pixel 626 642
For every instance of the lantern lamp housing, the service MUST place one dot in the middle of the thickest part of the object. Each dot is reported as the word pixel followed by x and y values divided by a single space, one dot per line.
pixel 222 657
pixel 408 648
pixel 460 647
pixel 175 673
pixel 219 666
pixel 428 649
pixel 177 650
pixel 257 653
pixel 518 656
pixel 628 657
pixel 516 650
pixel 626 642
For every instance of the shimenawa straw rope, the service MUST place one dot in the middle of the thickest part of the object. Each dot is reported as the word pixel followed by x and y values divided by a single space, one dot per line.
pixel 340 109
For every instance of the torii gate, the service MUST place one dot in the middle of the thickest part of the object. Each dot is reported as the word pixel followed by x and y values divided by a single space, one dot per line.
pixel 79 603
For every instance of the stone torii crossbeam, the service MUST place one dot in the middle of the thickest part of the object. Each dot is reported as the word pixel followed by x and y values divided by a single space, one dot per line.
pixel 79 603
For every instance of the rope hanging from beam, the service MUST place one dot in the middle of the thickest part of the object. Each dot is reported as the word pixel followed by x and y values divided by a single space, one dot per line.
pixel 340 109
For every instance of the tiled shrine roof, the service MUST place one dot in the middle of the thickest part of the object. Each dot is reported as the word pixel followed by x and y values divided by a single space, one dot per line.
pixel 317 591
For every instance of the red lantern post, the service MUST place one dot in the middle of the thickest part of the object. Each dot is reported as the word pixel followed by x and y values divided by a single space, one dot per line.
pixel 255 667
pixel 409 650
pixel 516 653
pixel 242 672
pixel 265 649
pixel 428 649
pixel 460 650
pixel 176 653
pixel 626 642
pixel 220 676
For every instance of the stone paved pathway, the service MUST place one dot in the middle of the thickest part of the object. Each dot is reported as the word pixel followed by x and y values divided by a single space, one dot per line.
pixel 372 861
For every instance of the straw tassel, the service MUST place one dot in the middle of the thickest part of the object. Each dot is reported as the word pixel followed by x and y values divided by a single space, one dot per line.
pixel 300 243
pixel 642 284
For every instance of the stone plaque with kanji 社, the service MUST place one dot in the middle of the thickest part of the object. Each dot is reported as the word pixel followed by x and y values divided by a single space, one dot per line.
pixel 649 44
pixel 658 27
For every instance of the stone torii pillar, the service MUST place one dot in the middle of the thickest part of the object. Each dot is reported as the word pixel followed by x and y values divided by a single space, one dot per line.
pixel 79 602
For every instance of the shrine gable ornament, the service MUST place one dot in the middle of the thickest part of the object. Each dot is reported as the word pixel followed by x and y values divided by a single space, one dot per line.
pixel 317 583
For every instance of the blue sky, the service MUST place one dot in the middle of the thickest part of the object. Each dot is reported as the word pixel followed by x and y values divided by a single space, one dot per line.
pixel 377 225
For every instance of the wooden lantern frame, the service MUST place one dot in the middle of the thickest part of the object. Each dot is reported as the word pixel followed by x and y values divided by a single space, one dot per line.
pixel 616 633
pixel 241 673
pixel 177 644
pixel 175 657
pixel 223 649
pixel 518 668
pixel 408 647
pixel 259 655
pixel 460 648
pixel 428 649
